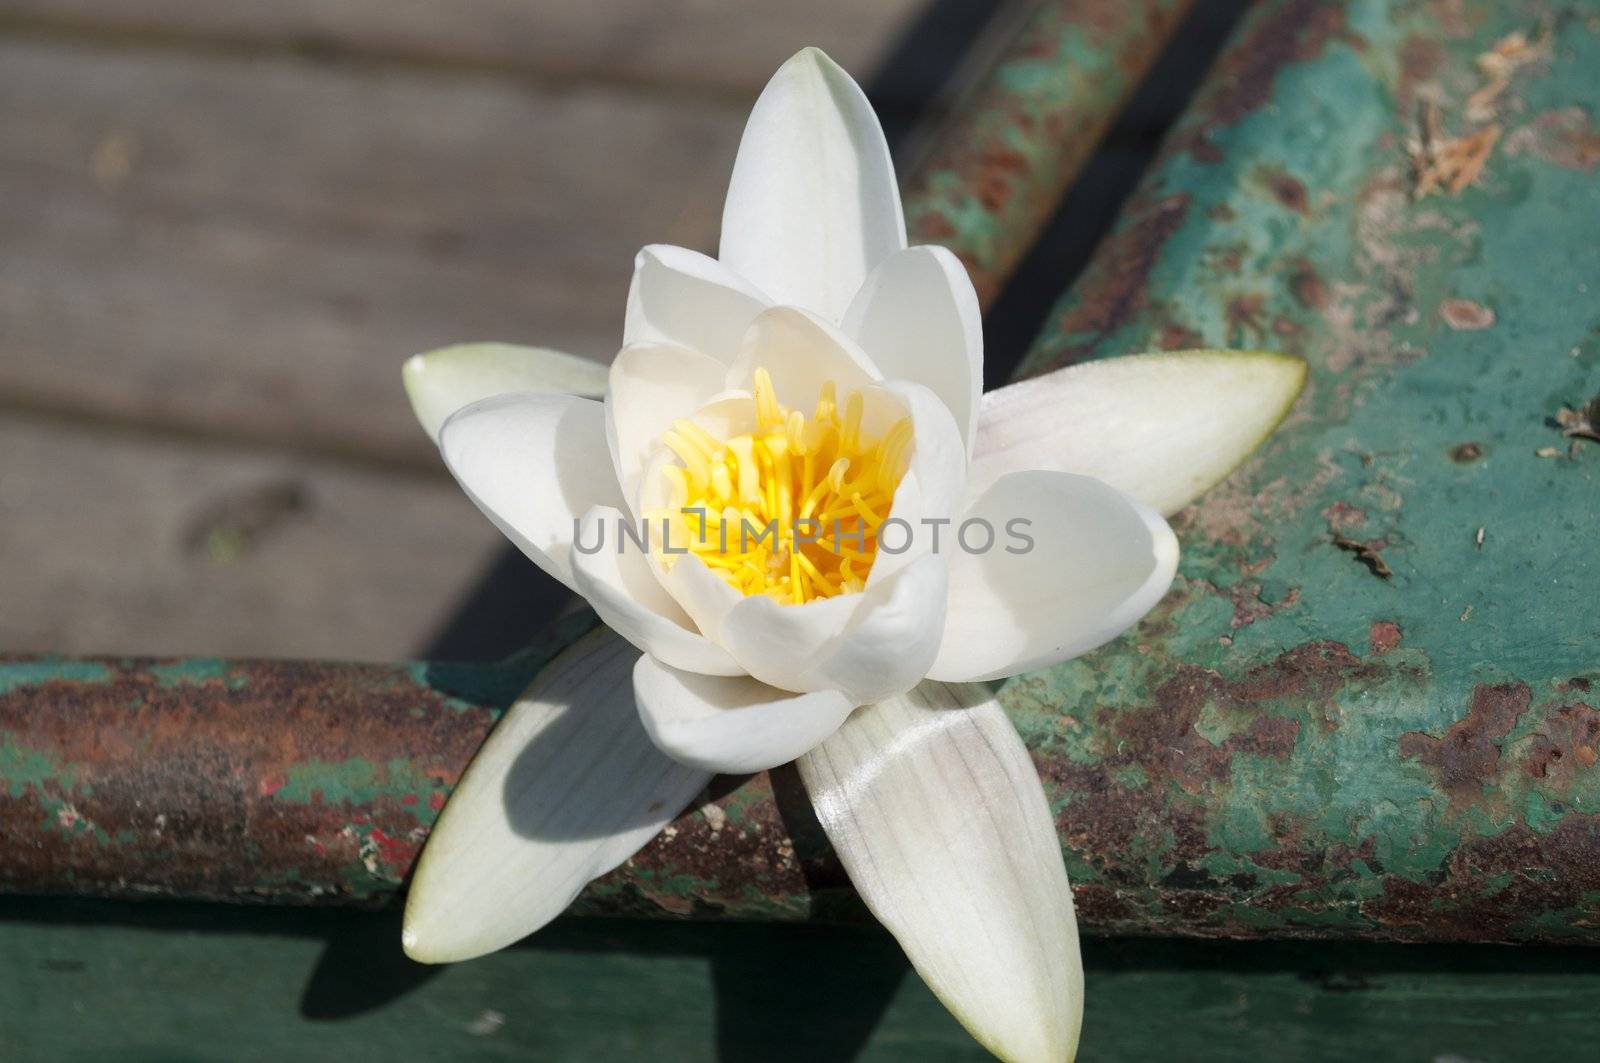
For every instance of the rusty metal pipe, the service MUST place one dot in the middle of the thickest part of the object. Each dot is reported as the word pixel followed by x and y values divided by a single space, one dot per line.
pixel 1007 154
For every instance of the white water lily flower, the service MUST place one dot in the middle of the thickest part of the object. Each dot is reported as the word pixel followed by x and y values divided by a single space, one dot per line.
pixel 818 376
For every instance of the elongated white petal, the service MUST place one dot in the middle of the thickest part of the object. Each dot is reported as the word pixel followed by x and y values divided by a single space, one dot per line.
pixel 443 381
pixel 567 787
pixel 813 206
pixel 868 645
pixel 1163 428
pixel 651 386
pixel 801 352
pixel 917 318
pixel 1049 566
pixel 687 299
pixel 534 464
pixel 733 726
pixel 936 811
pixel 614 574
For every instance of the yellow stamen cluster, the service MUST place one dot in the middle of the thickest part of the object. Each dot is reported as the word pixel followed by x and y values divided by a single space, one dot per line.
pixel 791 510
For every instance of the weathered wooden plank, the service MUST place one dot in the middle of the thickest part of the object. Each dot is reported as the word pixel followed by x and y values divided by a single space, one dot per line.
pixel 729 45
pixel 251 248
pixel 119 544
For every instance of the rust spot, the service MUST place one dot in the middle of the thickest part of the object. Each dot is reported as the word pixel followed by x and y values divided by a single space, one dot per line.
pixel 1115 289
pixel 1000 168
pixel 1176 337
pixel 1342 516
pixel 1242 80
pixel 1565 747
pixel 1243 314
pixel 1383 636
pixel 936 227
pixel 1248 605
pixel 1464 315
pixel 1286 189
pixel 1308 288
pixel 1466 453
pixel 1565 138
pixel 1420 58
pixel 1466 758
pixel 1496 882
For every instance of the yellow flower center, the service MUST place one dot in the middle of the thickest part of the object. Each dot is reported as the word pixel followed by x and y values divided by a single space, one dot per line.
pixel 791 510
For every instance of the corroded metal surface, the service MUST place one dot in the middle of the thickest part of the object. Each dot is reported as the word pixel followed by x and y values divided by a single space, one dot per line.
pixel 1292 745
pixel 1029 125
pixel 225 780
pixel 1369 707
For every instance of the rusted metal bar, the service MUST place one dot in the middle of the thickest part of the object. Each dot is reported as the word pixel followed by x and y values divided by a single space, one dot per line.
pixel 1022 132
pixel 1292 745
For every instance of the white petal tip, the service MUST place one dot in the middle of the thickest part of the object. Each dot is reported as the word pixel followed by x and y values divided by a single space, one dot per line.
pixel 443 381
pixel 431 934
pixel 412 945
pixel 1163 427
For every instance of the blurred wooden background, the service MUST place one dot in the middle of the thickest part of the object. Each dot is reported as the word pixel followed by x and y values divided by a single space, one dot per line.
pixel 225 225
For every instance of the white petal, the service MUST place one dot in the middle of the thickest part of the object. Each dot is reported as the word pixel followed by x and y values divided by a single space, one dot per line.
pixel 868 645
pixel 1097 562
pixel 813 206
pixel 701 594
pixel 894 637
pixel 1163 428
pixel 651 386
pixel 441 382
pixel 567 787
pixel 801 352
pixel 781 644
pixel 938 456
pixel 687 299
pixel 936 811
pixel 917 318
pixel 616 577
pixel 731 726
pixel 904 521
pixel 534 464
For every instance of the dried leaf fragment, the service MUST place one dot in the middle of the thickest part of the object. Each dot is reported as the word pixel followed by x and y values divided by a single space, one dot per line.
pixel 1445 163
pixel 1581 424
pixel 1498 65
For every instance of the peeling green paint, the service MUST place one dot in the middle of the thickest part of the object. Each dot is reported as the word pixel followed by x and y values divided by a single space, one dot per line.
pixel 36 671
pixel 1338 262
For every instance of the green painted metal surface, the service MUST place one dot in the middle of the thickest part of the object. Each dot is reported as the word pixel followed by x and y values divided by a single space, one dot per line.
pixel 1296 737
pixel 165 983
